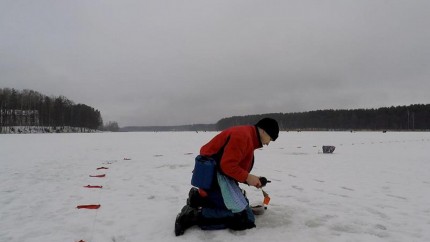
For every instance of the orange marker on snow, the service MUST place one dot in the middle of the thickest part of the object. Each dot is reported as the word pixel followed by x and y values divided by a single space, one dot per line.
pixel 266 198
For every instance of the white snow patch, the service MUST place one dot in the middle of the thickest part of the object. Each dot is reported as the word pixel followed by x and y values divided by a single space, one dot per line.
pixel 374 187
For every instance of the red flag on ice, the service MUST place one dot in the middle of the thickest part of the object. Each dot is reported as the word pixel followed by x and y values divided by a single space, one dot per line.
pixel 102 175
pixel 90 186
pixel 91 206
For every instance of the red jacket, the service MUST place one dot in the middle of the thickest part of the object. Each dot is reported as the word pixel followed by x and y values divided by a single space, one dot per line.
pixel 238 157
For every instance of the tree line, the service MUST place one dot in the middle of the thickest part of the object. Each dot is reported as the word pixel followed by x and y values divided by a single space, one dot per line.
pixel 31 108
pixel 412 117
pixel 190 127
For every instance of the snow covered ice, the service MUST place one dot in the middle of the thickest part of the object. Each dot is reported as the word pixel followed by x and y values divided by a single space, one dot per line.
pixel 374 187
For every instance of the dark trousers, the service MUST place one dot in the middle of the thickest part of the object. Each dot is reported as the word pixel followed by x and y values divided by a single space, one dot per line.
pixel 215 215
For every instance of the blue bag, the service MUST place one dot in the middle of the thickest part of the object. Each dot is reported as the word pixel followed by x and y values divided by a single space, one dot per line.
pixel 204 172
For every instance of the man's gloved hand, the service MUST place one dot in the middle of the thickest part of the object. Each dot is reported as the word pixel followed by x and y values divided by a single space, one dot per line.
pixel 264 181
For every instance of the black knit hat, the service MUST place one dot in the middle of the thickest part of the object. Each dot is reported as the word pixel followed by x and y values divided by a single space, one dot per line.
pixel 270 126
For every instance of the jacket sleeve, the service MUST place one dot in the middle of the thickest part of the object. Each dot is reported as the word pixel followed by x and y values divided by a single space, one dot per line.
pixel 233 154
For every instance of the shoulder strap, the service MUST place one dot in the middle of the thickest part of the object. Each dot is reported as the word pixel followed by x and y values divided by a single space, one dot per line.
pixel 217 157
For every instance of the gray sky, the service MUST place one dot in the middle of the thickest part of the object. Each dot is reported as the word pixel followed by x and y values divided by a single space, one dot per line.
pixel 196 61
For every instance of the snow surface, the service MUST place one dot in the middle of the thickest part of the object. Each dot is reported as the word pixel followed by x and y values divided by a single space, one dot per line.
pixel 374 187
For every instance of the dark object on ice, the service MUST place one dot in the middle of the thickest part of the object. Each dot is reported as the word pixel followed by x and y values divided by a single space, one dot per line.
pixel 328 149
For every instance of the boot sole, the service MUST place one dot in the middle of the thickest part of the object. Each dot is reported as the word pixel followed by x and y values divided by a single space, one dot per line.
pixel 178 227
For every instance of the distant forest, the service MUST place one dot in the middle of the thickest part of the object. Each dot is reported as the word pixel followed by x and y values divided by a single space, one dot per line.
pixel 30 108
pixel 191 127
pixel 401 118
pixel 413 117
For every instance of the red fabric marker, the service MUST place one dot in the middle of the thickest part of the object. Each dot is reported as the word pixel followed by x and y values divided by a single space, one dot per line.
pixel 91 206
pixel 103 175
pixel 89 186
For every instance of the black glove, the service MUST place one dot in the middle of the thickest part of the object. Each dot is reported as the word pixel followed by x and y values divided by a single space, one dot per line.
pixel 264 181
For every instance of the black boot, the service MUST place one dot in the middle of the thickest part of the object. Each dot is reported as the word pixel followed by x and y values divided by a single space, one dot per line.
pixel 240 221
pixel 194 199
pixel 185 219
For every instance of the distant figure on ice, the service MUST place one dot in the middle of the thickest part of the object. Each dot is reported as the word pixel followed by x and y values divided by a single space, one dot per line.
pixel 218 202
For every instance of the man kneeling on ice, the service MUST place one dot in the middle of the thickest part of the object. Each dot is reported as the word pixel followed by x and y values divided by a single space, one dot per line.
pixel 218 202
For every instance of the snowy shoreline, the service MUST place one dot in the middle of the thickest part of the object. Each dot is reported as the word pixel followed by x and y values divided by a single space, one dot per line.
pixel 43 129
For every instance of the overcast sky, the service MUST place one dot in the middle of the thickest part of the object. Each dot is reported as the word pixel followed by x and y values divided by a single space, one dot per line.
pixel 178 62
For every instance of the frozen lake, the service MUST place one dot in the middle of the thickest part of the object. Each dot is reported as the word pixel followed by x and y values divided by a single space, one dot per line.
pixel 374 187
